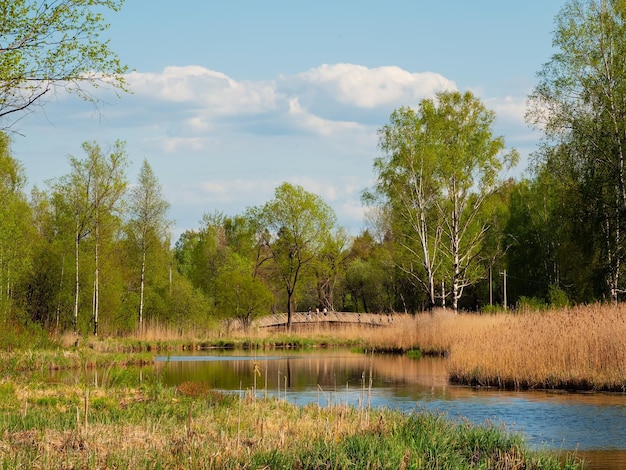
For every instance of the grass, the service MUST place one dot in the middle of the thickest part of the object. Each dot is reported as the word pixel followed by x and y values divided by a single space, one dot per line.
pixel 191 426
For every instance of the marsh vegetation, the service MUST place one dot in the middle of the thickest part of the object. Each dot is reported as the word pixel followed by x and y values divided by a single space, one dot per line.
pixel 116 421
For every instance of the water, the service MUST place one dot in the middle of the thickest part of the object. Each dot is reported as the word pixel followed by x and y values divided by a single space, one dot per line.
pixel 593 424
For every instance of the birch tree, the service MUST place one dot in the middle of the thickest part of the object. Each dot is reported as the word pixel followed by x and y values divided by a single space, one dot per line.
pixel 406 184
pixel 149 222
pixel 580 105
pixel 471 160
pixel 442 162
pixel 107 184
pixel 92 192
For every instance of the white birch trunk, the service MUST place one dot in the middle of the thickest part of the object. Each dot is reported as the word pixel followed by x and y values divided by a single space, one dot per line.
pixel 141 287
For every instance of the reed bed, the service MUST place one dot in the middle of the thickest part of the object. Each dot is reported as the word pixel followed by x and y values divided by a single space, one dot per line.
pixel 582 348
pixel 57 426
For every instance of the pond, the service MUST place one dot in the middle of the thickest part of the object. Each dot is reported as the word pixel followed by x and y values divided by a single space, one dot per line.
pixel 592 423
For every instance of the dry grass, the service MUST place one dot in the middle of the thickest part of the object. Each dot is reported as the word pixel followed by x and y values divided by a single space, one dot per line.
pixel 134 428
pixel 582 348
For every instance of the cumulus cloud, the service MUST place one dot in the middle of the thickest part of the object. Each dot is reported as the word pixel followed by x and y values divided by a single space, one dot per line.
pixel 212 91
pixel 323 100
pixel 306 121
pixel 362 87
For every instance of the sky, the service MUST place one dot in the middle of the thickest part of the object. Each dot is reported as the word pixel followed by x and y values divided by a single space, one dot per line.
pixel 231 99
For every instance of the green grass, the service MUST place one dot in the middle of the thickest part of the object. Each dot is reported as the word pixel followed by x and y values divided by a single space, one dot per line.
pixel 149 425
pixel 414 353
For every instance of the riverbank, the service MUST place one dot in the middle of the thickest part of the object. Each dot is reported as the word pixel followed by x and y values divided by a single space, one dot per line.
pixel 573 349
pixel 119 425
pixel 110 422
pixel 577 349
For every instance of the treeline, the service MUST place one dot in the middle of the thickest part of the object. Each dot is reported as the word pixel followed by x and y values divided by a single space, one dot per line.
pixel 91 251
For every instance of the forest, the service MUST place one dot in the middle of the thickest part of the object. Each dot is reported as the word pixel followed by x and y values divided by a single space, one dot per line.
pixel 92 252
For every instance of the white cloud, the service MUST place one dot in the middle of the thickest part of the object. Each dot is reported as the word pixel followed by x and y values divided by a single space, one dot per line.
pixel 323 100
pixel 510 108
pixel 305 120
pixel 206 89
pixel 362 87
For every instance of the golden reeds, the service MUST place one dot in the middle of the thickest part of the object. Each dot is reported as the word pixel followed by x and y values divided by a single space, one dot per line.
pixel 576 348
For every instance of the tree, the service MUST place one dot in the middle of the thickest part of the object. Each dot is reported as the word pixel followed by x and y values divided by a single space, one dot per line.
pixel 293 229
pixel 442 163
pixel 241 295
pixel 406 183
pixel 91 193
pixel 148 221
pixel 15 225
pixel 329 267
pixel 580 104
pixel 45 45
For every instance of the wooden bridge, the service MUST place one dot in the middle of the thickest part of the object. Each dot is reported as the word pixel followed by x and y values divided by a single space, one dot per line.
pixel 327 319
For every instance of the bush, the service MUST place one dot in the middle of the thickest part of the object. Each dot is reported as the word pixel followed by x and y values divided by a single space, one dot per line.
pixel 557 298
pixel 530 304
pixel 492 309
pixel 29 336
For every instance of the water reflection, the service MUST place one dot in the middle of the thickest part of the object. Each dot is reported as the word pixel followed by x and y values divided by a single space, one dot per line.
pixel 591 423
pixel 326 369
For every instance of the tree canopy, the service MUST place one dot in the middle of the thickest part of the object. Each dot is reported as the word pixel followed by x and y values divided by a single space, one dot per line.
pixel 580 104
pixel 293 230
pixel 441 163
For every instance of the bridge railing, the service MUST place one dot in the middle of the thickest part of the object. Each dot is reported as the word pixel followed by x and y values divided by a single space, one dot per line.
pixel 324 317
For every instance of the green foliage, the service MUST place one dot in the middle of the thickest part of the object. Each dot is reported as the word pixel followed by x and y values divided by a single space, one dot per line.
pixel 414 353
pixel 492 309
pixel 54 45
pixel 16 230
pixel 579 104
pixel 531 303
pixel 147 231
pixel 239 294
pixel 293 229
pixel 557 298
pixel 441 166
pixel 16 336
pixel 189 307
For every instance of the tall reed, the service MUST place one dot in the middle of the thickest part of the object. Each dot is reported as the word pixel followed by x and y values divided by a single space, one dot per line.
pixel 581 348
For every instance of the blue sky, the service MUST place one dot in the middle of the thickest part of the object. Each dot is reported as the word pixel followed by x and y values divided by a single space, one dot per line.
pixel 231 99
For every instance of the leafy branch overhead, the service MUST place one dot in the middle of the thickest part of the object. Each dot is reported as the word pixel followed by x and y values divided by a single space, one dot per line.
pixel 52 46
